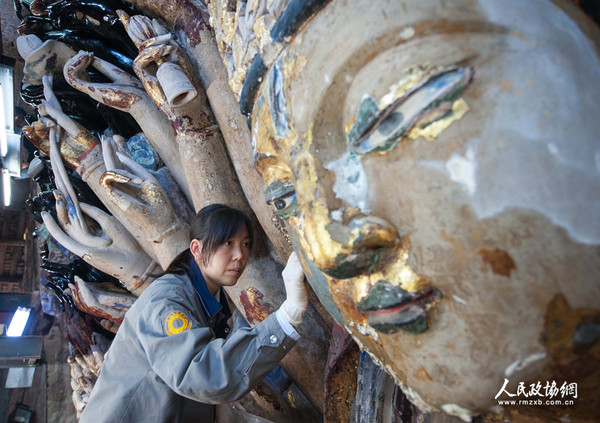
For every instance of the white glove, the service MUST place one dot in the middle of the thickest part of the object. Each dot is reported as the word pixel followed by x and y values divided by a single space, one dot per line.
pixel 296 302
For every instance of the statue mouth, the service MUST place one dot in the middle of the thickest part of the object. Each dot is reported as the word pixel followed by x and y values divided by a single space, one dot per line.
pixel 391 308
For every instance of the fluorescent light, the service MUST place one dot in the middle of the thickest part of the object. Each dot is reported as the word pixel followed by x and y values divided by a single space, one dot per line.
pixel 18 322
pixel 6 80
pixel 6 187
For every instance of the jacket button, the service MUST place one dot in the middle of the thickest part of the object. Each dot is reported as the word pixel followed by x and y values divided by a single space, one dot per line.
pixel 273 339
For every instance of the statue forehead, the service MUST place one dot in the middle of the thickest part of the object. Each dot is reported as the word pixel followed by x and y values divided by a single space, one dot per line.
pixel 353 63
pixel 504 101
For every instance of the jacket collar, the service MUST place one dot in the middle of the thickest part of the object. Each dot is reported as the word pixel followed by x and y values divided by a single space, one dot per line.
pixel 211 305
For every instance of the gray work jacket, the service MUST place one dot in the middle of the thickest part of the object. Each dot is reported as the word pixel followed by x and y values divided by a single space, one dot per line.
pixel 165 364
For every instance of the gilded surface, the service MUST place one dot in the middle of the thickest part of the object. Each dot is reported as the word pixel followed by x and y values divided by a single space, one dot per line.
pixel 366 145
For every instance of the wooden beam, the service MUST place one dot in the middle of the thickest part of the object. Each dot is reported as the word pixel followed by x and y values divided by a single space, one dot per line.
pixel 3 249
pixel 21 224
pixel 10 287
pixel 17 256
pixel 10 279
pixel 12 242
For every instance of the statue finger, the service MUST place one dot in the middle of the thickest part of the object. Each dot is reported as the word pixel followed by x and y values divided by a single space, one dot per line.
pixel 61 209
pixel 137 168
pixel 139 27
pixel 124 17
pixel 156 41
pixel 74 69
pixel 49 92
pixel 63 239
pixel 159 28
pixel 120 142
pixel 109 153
pixel 61 178
pixel 71 219
pixel 115 73
pixel 124 190
pixel 63 183
pixel 64 121
pixel 113 229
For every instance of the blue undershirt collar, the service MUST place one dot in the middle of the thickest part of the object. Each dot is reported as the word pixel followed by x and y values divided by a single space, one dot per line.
pixel 208 300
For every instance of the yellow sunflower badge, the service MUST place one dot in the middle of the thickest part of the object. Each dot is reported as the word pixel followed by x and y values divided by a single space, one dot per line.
pixel 177 322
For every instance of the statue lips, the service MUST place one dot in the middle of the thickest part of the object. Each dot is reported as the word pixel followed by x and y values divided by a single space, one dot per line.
pixel 410 317
pixel 391 308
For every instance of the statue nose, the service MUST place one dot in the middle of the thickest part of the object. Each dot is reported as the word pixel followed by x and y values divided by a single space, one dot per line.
pixel 361 243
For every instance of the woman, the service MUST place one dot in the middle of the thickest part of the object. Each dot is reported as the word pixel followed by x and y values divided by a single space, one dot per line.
pixel 169 361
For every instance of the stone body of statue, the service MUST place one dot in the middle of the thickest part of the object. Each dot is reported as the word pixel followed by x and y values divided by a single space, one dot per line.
pixel 436 167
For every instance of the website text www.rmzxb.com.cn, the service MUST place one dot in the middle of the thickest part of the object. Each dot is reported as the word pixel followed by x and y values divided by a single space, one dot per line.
pixel 535 402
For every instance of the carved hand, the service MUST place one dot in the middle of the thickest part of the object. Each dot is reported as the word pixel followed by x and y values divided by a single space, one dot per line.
pixel 122 257
pixel 126 93
pixel 112 249
pixel 139 195
pixel 122 93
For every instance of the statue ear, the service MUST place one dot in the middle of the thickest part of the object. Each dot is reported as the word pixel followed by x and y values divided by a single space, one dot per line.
pixel 196 249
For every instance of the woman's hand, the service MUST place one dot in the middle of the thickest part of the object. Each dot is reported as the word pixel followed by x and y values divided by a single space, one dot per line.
pixel 296 302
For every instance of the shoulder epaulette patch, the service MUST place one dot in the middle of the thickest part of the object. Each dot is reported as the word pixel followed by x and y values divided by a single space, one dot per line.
pixel 177 322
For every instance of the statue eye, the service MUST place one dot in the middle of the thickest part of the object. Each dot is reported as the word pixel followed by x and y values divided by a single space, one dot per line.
pixel 286 206
pixel 283 203
pixel 282 195
pixel 280 204
pixel 429 100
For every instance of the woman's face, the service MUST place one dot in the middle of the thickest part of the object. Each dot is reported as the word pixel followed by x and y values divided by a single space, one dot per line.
pixel 227 263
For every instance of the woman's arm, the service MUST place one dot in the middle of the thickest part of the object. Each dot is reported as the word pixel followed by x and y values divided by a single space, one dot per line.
pixel 195 365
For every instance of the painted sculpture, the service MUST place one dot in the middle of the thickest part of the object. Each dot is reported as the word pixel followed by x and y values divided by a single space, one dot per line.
pixel 391 188
pixel 438 178
pixel 416 163
pixel 142 214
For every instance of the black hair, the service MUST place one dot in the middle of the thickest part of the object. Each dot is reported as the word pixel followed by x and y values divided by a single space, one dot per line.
pixel 213 226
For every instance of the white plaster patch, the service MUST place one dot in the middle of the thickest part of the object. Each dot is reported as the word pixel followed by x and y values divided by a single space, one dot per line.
pixel 458 299
pixel 387 99
pixel 496 409
pixel 336 215
pixel 350 181
pixel 367 330
pixel 462 170
pixel 458 411
pixel 538 150
pixel 407 33
pixel 521 364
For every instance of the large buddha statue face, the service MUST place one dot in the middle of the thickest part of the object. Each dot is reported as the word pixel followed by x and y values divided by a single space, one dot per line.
pixel 437 166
